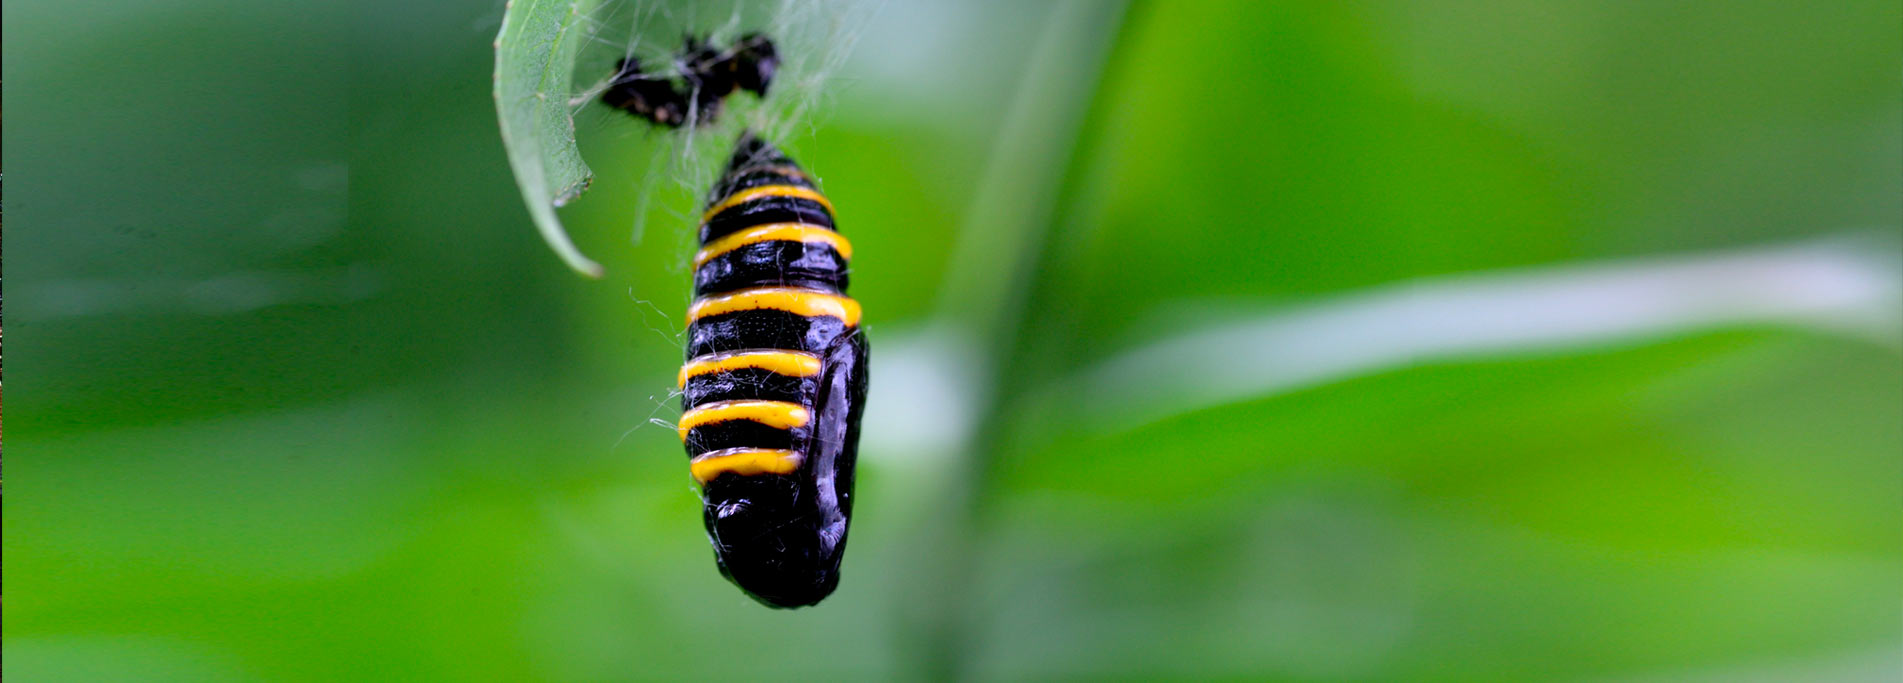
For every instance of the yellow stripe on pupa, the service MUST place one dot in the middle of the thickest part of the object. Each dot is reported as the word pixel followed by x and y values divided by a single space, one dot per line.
pixel 773 232
pixel 789 363
pixel 805 302
pixel 753 193
pixel 775 414
pixel 745 462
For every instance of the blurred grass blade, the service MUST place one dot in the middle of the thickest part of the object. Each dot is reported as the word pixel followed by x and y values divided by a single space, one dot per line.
pixel 1841 286
pixel 535 57
pixel 1000 248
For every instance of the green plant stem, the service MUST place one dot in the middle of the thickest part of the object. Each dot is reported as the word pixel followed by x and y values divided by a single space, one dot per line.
pixel 986 294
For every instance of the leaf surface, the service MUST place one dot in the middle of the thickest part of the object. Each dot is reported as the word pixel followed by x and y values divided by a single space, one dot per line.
pixel 535 60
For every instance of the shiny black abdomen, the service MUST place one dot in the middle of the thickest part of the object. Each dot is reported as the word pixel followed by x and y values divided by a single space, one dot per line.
pixel 782 264
pixel 761 329
pixel 778 537
pixel 781 538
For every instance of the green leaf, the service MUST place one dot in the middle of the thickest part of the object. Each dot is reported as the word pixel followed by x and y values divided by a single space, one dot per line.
pixel 535 57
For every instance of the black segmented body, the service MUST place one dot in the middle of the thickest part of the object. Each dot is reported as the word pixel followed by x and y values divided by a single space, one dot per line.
pixel 775 381
pixel 707 76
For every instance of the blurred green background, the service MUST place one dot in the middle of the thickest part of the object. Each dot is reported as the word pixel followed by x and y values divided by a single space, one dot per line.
pixel 1307 341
